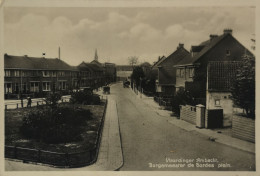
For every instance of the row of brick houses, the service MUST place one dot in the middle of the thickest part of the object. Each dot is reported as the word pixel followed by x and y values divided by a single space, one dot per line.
pixel 208 67
pixel 37 76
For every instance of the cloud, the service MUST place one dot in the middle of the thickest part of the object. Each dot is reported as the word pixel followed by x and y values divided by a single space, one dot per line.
pixel 174 30
pixel 119 32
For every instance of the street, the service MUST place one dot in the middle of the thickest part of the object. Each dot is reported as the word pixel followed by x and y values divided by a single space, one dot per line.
pixel 149 141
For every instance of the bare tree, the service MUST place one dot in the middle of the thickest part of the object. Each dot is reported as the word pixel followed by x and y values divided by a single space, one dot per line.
pixel 132 60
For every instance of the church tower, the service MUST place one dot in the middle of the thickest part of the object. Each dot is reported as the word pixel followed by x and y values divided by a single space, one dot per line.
pixel 96 56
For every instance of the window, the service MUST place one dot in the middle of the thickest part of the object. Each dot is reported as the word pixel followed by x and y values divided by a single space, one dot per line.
pixel 7 73
pixel 217 102
pixel 178 72
pixel 227 52
pixel 182 72
pixel 23 73
pixel 61 73
pixel 34 87
pixel 62 85
pixel 16 88
pixel 46 86
pixel 46 73
pixel 191 72
pixel 54 73
pixel 34 73
pixel 16 73
pixel 8 88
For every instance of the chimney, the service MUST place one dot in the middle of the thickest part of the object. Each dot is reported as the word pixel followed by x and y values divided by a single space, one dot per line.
pixel 228 31
pixel 212 36
pixel 181 45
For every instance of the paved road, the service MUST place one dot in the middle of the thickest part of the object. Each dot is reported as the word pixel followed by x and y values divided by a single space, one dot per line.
pixel 148 139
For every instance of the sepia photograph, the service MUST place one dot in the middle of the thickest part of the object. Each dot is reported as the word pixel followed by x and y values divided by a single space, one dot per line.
pixel 128 88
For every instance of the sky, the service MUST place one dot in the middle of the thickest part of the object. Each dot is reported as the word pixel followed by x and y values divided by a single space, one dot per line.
pixel 118 33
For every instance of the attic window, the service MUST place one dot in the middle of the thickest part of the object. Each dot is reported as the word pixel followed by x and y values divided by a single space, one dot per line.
pixel 217 102
pixel 227 52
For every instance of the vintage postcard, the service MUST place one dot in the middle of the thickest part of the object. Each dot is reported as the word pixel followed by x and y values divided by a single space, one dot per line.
pixel 122 86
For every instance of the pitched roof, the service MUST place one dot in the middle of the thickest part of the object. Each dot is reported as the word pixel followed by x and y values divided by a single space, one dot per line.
pixel 206 46
pixel 159 61
pixel 90 67
pixel 221 74
pixel 35 63
pixel 175 57
pixel 95 62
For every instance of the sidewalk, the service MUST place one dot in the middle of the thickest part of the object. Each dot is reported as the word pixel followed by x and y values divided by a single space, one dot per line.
pixel 210 134
pixel 110 156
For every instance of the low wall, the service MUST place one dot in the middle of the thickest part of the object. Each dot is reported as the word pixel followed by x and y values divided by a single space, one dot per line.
pixel 243 128
pixel 188 113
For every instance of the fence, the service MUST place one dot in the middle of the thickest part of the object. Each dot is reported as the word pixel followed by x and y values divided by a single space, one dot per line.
pixel 76 159
pixel 164 101
pixel 36 102
pixel 188 113
pixel 243 128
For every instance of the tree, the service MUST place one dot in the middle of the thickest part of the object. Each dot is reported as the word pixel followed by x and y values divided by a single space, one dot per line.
pixel 137 75
pixel 132 60
pixel 52 100
pixel 243 89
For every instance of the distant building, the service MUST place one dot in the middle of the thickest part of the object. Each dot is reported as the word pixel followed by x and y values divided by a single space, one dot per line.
pixel 124 72
pixel 110 72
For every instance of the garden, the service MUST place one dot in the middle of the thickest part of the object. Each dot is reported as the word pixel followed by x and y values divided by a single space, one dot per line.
pixel 66 129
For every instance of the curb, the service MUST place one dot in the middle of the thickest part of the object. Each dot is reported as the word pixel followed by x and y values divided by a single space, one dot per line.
pixel 218 139
pixel 120 138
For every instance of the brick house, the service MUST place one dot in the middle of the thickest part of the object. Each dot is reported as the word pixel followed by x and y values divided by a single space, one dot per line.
pixel 91 75
pixel 218 48
pixel 37 76
pixel 167 72
pixel 219 54
pixel 155 73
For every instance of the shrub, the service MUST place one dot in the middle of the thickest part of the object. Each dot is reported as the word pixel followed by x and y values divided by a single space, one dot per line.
pixel 52 100
pixel 84 97
pixel 95 100
pixel 64 124
pixel 182 97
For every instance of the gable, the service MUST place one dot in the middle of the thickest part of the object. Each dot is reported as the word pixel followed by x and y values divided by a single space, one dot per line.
pixel 220 51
